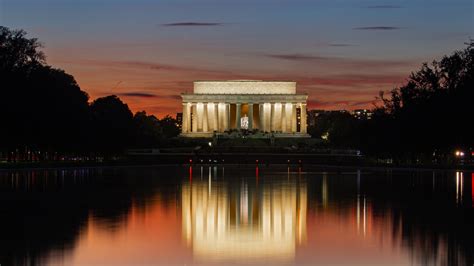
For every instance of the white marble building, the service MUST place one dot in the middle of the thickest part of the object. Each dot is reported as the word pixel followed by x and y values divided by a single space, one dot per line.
pixel 220 106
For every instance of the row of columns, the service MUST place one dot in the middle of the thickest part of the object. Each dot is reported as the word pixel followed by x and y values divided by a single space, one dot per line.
pixel 210 117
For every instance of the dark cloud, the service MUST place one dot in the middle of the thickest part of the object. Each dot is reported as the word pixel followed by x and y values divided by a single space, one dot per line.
pixel 384 6
pixel 148 66
pixel 341 44
pixel 137 94
pixel 377 28
pixel 192 24
pixel 297 57
pixel 342 62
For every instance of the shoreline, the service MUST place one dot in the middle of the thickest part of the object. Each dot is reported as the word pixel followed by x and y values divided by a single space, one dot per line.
pixel 296 160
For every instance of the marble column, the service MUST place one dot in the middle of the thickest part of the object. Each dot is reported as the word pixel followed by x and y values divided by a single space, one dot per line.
pixel 261 125
pixel 210 117
pixel 222 118
pixel 283 117
pixel 267 112
pixel 272 117
pixel 238 110
pixel 205 122
pixel 250 116
pixel 216 117
pixel 199 116
pixel 277 117
pixel 227 117
pixel 304 124
pixel 184 125
pixel 194 117
pixel 289 117
pixel 293 118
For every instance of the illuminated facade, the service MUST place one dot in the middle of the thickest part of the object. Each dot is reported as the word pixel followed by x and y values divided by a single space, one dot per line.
pixel 252 224
pixel 220 106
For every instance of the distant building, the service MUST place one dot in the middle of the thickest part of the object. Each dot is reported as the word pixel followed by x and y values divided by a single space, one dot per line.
pixel 179 119
pixel 313 116
pixel 362 114
pixel 223 106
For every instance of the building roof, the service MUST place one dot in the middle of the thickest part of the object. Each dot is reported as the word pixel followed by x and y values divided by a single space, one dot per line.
pixel 244 87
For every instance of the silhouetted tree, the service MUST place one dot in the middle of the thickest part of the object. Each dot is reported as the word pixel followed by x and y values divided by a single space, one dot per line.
pixel 169 127
pixel 148 130
pixel 429 114
pixel 43 108
pixel 341 129
pixel 432 111
pixel 40 107
pixel 18 52
pixel 113 124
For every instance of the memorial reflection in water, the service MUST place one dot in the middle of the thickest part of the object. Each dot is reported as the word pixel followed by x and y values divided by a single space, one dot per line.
pixel 228 221
pixel 236 215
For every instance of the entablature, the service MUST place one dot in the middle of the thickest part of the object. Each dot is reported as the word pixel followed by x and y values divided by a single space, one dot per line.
pixel 245 98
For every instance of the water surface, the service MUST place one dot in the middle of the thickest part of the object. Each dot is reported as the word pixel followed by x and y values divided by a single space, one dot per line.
pixel 221 215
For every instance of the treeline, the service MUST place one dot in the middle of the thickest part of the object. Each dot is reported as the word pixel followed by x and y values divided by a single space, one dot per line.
pixel 430 115
pixel 43 108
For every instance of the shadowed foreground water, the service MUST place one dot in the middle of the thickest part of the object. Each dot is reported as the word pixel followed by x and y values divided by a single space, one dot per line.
pixel 220 215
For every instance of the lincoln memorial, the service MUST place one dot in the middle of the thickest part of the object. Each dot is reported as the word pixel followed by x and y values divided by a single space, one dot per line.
pixel 218 107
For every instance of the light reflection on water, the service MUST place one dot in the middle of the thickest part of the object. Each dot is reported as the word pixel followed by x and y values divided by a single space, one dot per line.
pixel 243 221
pixel 216 215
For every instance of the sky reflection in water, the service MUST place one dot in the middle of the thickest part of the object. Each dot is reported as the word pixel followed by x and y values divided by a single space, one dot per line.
pixel 240 215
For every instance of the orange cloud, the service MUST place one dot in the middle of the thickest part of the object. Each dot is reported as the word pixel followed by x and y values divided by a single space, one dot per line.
pixel 156 87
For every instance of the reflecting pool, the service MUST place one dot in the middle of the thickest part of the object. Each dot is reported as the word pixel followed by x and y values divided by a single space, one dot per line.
pixel 237 215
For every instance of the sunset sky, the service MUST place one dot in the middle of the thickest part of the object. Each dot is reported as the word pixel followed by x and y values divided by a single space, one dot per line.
pixel 148 52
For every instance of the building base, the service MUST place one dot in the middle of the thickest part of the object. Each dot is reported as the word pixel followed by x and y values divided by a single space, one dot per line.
pixel 291 135
pixel 197 135
pixel 237 134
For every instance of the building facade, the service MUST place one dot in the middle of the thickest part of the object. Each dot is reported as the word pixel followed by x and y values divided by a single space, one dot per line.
pixel 266 106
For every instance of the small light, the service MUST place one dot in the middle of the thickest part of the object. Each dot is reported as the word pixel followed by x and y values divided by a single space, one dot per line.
pixel 288 161
pixel 256 161
pixel 461 154
pixel 210 144
pixel 457 153
pixel 190 161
